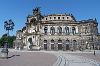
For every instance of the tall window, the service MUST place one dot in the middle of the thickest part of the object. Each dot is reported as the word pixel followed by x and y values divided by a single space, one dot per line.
pixel 73 30
pixel 30 40
pixel 59 30
pixel 45 30
pixel 52 30
pixel 86 30
pixel 67 30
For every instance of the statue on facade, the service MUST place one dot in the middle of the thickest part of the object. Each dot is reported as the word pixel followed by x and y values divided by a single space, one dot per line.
pixel 37 13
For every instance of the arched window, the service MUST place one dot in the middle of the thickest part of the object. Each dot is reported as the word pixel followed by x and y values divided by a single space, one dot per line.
pixel 59 41
pixel 73 30
pixel 52 41
pixel 59 30
pixel 67 41
pixel 45 41
pixel 67 30
pixel 45 44
pixel 45 30
pixel 52 30
pixel 30 40
pixel 74 42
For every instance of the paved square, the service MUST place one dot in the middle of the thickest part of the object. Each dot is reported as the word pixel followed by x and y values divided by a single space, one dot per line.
pixel 50 58
pixel 28 59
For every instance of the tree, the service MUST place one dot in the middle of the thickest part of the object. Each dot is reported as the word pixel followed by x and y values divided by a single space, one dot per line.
pixel 8 25
pixel 10 40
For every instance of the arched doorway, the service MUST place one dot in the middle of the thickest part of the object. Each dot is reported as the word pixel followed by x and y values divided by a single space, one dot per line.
pixel 52 44
pixel 30 40
pixel 30 43
pixel 59 44
pixel 45 44
pixel 67 45
pixel 74 44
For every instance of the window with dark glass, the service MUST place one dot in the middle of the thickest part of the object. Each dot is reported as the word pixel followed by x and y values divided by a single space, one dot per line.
pixel 62 17
pixel 58 17
pixel 46 18
pixel 86 30
pixel 67 41
pixel 54 17
pixel 59 41
pixel 45 30
pixel 50 17
pixel 52 30
pixel 59 30
pixel 67 17
pixel 52 41
pixel 73 30
pixel 67 30
pixel 45 41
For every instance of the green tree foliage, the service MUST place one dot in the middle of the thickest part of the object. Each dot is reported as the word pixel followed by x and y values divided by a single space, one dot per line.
pixel 9 39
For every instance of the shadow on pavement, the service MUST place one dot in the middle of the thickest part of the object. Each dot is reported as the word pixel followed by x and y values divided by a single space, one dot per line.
pixel 13 56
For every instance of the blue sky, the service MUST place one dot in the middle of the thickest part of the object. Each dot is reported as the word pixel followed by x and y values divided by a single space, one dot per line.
pixel 17 10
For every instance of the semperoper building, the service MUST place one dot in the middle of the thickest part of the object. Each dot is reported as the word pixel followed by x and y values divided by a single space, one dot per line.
pixel 57 32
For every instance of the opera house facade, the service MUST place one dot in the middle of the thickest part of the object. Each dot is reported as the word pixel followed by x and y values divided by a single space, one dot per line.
pixel 57 32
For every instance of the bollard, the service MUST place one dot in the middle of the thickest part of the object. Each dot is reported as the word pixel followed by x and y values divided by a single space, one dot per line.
pixel 4 53
pixel 94 52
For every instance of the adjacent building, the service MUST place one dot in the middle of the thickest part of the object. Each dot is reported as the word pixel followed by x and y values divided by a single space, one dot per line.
pixel 57 32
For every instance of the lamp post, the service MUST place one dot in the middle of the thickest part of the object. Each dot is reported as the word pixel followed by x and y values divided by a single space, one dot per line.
pixel 94 44
pixel 8 25
pixel 82 42
pixel 86 45
pixel 27 32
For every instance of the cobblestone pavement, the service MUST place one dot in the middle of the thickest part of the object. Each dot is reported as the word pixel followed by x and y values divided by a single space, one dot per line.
pixel 72 59
pixel 91 56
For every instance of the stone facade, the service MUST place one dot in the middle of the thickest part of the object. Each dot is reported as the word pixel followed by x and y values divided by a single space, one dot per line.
pixel 58 32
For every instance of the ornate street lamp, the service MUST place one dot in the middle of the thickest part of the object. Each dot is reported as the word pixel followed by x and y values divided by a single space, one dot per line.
pixel 94 44
pixel 9 25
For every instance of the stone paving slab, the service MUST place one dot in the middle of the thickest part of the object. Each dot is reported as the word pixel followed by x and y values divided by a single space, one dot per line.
pixel 28 59
pixel 48 58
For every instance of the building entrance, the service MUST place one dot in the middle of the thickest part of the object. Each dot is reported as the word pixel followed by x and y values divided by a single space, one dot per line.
pixel 59 46
pixel 67 47
pixel 52 46
pixel 45 46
